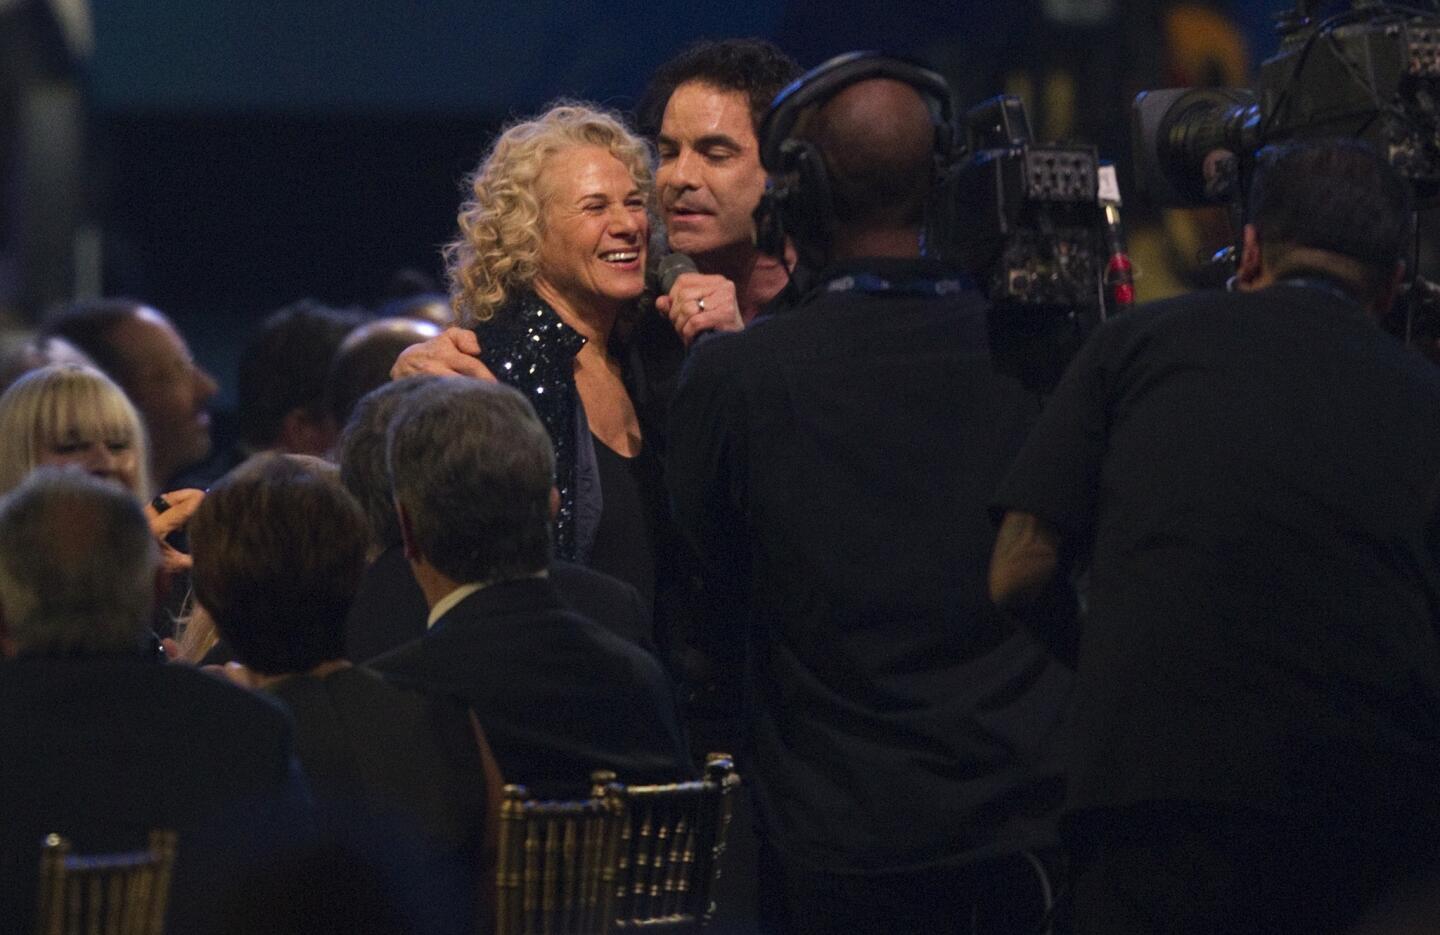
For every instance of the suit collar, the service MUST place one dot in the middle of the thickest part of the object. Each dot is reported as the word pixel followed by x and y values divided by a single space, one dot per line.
pixel 443 606
pixel 504 597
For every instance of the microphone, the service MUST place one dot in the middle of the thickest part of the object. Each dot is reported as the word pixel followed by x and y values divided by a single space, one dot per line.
pixel 672 267
pixel 1119 274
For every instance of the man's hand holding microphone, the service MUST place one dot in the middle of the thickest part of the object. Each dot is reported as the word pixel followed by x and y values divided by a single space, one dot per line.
pixel 696 302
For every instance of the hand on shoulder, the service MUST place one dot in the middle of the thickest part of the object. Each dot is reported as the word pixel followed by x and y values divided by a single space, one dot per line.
pixel 455 352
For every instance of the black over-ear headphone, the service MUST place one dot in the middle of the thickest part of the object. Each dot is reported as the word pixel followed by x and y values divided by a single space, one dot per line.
pixel 797 201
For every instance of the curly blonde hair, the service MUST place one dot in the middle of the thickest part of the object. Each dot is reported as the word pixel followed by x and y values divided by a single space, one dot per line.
pixel 498 245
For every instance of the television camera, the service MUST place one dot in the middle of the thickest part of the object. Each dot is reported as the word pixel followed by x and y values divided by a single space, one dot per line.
pixel 1370 71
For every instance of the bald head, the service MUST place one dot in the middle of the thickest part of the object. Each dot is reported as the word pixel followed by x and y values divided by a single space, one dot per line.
pixel 365 357
pixel 879 143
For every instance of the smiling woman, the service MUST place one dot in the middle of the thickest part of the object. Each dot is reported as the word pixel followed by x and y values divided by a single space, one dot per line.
pixel 594 231
pixel 548 270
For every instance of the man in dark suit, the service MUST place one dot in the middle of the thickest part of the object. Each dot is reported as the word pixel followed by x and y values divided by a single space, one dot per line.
pixel 98 743
pixel 558 695
pixel 389 608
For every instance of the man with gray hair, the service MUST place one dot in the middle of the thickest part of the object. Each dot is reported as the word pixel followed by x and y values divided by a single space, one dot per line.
pixel 472 471
pixel 54 597
pixel 389 608
pixel 98 742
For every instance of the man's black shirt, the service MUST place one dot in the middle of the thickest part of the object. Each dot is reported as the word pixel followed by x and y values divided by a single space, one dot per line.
pixel 1249 477
pixel 833 464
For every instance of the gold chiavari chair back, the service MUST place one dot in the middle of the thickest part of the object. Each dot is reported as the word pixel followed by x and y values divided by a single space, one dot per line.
pixel 104 894
pixel 670 850
pixel 556 862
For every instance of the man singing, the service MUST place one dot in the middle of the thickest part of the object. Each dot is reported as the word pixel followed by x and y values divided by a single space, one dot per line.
pixel 708 103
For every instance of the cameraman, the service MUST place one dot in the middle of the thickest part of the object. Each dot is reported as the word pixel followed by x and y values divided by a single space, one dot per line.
pixel 1248 478
pixel 833 464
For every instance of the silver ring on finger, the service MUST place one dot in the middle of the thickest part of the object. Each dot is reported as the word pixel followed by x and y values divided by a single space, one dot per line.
pixel 700 304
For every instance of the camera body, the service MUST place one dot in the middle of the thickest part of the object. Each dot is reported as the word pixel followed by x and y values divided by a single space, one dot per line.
pixel 1030 225
pixel 1371 72
pixel 1037 226
pixel 1024 219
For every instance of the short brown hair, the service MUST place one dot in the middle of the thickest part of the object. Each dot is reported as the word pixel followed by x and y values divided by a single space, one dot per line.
pixel 279 546
pixel 472 467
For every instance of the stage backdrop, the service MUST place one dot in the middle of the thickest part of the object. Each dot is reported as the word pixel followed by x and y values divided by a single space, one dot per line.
pixel 247 153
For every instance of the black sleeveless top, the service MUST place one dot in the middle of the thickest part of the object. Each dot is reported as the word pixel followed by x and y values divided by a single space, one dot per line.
pixel 631 489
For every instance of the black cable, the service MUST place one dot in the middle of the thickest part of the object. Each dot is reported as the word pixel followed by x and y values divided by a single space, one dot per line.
pixel 1381 106
pixel 1410 298
pixel 1326 28
pixel 1293 77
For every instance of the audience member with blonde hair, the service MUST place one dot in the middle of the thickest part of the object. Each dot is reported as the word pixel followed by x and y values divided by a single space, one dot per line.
pixel 139 348
pixel 67 414
pixel 70 415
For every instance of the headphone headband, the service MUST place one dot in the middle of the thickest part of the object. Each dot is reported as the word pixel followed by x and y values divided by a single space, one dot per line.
pixel 825 81
pixel 797 203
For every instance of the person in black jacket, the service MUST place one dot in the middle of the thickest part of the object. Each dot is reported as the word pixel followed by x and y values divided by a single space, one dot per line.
pixel 832 463
pixel 558 695
pixel 100 743
pixel 389 608
pixel 1248 478
pixel 279 546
